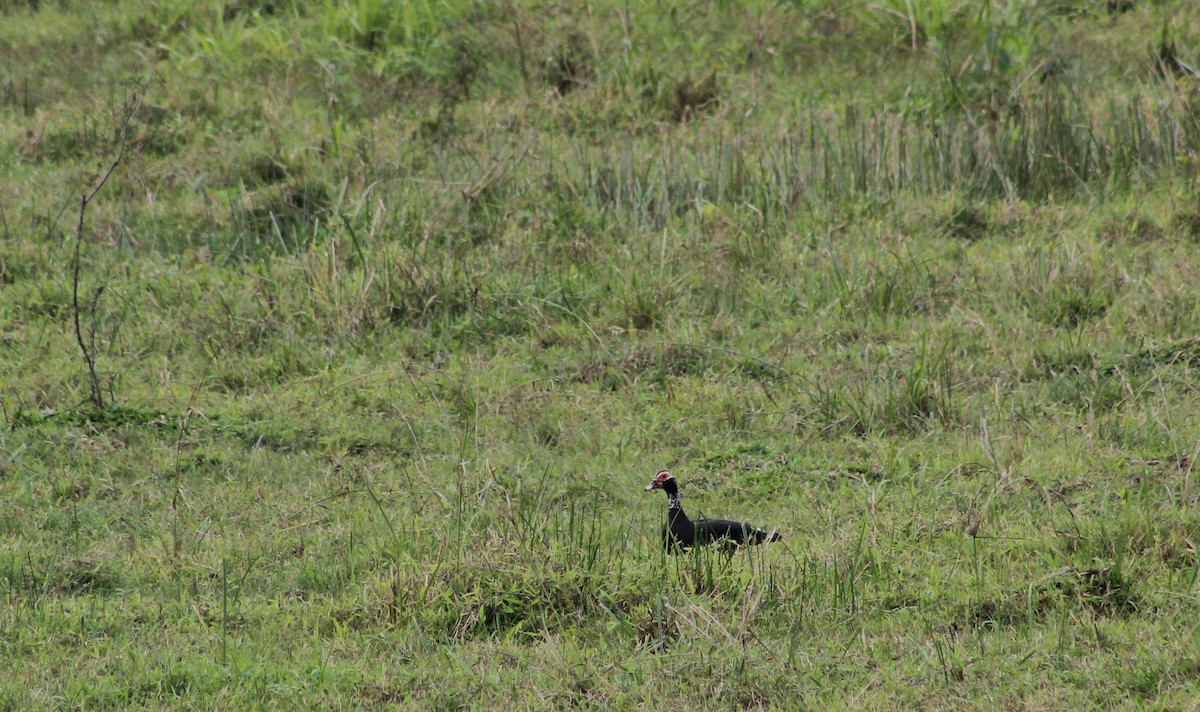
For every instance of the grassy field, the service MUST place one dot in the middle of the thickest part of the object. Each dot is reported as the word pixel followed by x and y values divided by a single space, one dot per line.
pixel 343 388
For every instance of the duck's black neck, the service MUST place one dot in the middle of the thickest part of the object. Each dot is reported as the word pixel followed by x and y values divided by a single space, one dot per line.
pixel 674 504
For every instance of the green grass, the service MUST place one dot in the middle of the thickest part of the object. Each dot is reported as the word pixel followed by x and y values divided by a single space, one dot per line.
pixel 404 303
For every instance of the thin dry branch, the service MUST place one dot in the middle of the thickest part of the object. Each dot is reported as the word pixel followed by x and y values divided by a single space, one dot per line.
pixel 96 396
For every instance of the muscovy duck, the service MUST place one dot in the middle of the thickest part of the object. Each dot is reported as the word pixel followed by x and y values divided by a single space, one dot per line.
pixel 679 531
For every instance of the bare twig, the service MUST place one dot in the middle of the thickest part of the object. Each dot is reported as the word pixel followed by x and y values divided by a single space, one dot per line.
pixel 89 348
pixel 184 423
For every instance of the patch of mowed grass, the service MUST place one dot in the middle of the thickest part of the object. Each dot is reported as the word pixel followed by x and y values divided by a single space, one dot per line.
pixel 402 304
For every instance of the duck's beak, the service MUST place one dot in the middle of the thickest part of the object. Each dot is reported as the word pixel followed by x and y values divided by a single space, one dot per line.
pixel 653 486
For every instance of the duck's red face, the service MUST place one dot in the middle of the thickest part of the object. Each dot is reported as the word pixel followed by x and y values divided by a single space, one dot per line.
pixel 659 480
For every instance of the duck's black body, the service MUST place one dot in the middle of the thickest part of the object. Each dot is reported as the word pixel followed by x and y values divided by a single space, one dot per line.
pixel 681 532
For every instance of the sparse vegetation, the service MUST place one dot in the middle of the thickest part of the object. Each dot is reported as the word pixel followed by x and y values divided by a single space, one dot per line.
pixel 404 302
